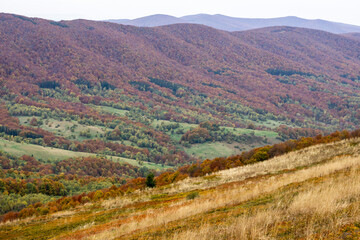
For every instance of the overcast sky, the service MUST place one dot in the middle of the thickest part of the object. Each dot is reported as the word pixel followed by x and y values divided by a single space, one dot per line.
pixel 346 11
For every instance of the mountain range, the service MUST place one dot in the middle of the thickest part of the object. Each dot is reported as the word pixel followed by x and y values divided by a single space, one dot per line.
pixel 231 24
pixel 305 75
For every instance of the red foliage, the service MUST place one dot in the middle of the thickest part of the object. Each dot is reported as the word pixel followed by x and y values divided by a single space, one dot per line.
pixel 197 135
pixel 9 216
pixel 95 167
pixel 295 133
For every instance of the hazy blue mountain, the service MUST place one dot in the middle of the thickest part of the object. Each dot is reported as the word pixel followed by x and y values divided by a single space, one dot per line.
pixel 150 21
pixel 240 24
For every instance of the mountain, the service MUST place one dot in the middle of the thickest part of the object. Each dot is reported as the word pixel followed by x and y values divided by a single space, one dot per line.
pixel 150 21
pixel 227 23
pixel 308 77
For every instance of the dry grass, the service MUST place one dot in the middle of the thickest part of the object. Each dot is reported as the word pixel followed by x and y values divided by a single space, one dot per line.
pixel 309 156
pixel 305 157
pixel 252 227
pixel 249 227
pixel 316 213
pixel 328 197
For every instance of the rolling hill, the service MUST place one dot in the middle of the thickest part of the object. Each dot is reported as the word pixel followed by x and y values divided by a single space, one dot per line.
pixel 227 23
pixel 308 77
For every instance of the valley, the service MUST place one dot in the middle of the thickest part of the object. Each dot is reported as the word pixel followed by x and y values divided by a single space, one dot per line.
pixel 181 131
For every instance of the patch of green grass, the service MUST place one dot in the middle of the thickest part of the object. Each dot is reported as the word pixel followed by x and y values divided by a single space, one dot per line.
pixel 212 150
pixel 174 136
pixel 188 126
pixel 185 126
pixel 126 142
pixel 273 124
pixel 39 152
pixel 268 134
pixel 217 149
pixel 56 154
pixel 66 129
pixel 111 110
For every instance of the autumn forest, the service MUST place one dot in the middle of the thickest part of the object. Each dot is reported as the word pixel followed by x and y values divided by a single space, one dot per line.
pixel 92 112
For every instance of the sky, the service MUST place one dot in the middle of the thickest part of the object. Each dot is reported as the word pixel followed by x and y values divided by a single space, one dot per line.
pixel 346 11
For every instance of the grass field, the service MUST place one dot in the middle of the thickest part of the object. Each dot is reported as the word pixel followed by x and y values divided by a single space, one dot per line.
pixel 175 137
pixel 212 150
pixel 273 124
pixel 202 151
pixel 55 154
pixel 63 128
pixel 238 131
pixel 218 149
pixel 110 110
pixel 185 126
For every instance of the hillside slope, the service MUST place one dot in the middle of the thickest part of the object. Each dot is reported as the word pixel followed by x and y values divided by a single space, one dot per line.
pixel 308 193
pixel 303 75
pixel 355 36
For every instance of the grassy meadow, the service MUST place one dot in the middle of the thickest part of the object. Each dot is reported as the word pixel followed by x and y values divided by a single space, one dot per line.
pixel 74 130
pixel 67 129
pixel 209 150
pixel 109 110
pixel 56 154
pixel 212 150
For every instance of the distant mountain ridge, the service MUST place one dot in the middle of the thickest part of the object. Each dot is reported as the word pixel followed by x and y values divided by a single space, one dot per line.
pixel 232 24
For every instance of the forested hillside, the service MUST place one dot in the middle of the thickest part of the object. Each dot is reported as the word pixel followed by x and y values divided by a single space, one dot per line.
pixel 290 75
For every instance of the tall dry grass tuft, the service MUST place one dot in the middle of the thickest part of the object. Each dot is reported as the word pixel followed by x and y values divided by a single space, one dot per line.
pixel 328 197
pixel 249 227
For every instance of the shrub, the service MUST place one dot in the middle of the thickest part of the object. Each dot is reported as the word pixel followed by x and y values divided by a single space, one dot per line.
pixel 34 122
pixel 98 195
pixel 192 195
pixel 85 199
pixel 150 181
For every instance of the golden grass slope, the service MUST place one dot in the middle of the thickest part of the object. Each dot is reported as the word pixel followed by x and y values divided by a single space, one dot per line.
pixel 308 194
